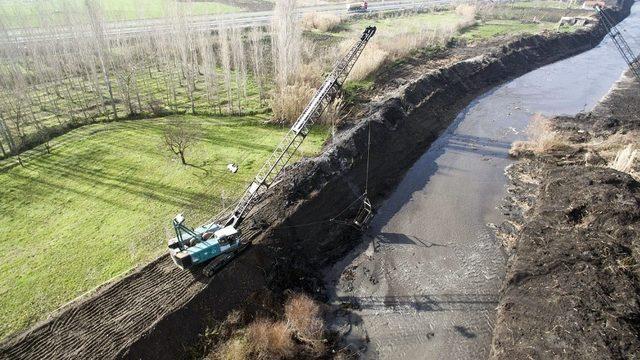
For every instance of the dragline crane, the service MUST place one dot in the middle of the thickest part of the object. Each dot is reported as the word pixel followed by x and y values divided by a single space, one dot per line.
pixel 222 242
pixel 620 42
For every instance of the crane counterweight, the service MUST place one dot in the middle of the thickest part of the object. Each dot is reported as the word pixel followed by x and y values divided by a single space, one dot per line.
pixel 221 243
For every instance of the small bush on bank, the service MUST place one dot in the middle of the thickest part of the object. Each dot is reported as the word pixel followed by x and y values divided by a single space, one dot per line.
pixel 624 160
pixel 542 139
pixel 322 22
pixel 270 340
pixel 304 317
pixel 298 332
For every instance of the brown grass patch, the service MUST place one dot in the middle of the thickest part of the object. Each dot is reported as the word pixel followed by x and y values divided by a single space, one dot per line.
pixel 322 22
pixel 270 340
pixel 371 59
pixel 542 139
pixel 401 43
pixel 304 317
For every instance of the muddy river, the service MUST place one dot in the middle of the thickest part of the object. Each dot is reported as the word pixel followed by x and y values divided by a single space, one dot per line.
pixel 427 276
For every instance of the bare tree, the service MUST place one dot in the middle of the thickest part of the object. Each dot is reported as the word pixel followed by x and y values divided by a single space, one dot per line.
pixel 286 38
pixel 225 60
pixel 179 136
pixel 209 70
pixel 257 59
pixel 101 46
pixel 240 66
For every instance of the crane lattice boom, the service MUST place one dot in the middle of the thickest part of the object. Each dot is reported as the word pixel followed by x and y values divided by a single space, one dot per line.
pixel 218 244
pixel 623 47
pixel 273 166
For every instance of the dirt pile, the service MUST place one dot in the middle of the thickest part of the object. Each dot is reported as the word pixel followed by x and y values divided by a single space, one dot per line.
pixel 159 311
pixel 573 285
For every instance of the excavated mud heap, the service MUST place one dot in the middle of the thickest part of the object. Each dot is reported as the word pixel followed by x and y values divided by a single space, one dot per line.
pixel 572 290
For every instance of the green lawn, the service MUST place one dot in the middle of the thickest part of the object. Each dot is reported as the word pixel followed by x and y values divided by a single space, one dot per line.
pixel 409 23
pixel 17 13
pixel 102 202
pixel 493 28
pixel 546 4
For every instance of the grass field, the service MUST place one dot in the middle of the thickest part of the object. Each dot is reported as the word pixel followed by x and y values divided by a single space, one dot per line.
pixel 18 13
pixel 102 202
pixel 493 28
pixel 409 23
pixel 546 4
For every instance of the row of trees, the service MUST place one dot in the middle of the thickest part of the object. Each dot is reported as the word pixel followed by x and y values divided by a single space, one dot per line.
pixel 78 74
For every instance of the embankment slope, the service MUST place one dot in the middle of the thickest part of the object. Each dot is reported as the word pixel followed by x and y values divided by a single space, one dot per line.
pixel 572 289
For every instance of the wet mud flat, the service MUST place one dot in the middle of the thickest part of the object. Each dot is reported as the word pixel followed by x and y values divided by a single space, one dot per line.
pixel 572 289
pixel 160 311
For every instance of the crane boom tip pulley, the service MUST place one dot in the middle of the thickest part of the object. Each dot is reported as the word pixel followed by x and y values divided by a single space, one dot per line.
pixel 220 243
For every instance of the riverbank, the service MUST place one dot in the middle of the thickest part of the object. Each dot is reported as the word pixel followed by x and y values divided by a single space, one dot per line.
pixel 426 281
pixel 573 281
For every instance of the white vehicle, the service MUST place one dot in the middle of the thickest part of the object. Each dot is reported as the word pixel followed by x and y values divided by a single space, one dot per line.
pixel 357 7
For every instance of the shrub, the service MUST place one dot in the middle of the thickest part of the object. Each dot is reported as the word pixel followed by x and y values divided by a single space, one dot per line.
pixel 468 12
pixel 269 340
pixel 289 102
pixel 305 318
pixel 234 349
pixel 322 22
pixel 542 139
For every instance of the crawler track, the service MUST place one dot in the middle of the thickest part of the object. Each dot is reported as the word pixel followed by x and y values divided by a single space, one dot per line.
pixel 101 325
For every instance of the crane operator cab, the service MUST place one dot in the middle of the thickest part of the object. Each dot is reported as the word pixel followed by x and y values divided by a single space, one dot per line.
pixel 195 246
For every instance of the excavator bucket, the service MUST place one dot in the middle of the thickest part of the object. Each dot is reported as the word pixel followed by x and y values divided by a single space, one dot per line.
pixel 365 214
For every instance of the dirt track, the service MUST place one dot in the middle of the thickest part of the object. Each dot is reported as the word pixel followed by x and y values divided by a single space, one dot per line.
pixel 103 323
pixel 158 309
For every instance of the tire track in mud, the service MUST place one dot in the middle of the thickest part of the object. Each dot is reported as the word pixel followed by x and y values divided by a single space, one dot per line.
pixel 99 326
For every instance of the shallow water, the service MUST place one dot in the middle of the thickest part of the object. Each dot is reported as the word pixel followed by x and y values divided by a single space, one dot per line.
pixel 438 265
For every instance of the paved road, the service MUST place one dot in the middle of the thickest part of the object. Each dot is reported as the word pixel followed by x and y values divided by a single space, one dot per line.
pixel 208 22
pixel 431 288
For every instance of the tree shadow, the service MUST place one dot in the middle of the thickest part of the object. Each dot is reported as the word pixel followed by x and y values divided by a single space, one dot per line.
pixel 464 331
pixel 204 167
pixel 176 196
pixel 424 302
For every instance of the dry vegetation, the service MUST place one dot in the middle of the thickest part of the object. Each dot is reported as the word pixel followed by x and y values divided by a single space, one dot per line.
pixel 298 333
pixel 618 151
pixel 321 21
pixel 541 139
pixel 625 160
pixel 270 340
pixel 389 47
